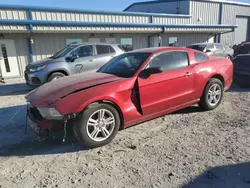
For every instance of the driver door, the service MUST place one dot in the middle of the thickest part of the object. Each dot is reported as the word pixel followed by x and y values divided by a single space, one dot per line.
pixel 173 87
pixel 85 62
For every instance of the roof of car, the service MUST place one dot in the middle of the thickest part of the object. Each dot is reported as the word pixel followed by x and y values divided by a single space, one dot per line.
pixel 158 49
pixel 92 43
pixel 205 43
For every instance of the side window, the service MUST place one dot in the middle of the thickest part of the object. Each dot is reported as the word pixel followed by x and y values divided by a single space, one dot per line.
pixel 200 56
pixel 102 49
pixel 83 51
pixel 210 47
pixel 111 49
pixel 219 47
pixel 170 60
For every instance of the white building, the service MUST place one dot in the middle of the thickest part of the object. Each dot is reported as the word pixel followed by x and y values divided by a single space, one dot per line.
pixel 30 33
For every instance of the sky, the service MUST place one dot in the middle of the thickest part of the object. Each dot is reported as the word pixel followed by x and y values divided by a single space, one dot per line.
pixel 107 5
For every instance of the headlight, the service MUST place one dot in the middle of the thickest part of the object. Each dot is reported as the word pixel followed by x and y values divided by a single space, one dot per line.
pixel 50 113
pixel 35 69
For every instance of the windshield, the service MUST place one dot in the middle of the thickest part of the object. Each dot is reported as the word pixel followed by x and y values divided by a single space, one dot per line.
pixel 63 52
pixel 197 47
pixel 125 65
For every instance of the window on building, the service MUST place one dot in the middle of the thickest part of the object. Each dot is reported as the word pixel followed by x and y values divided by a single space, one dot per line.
pixel 127 44
pixel 102 49
pixel 200 56
pixel 83 51
pixel 170 60
pixel 70 41
pixel 172 41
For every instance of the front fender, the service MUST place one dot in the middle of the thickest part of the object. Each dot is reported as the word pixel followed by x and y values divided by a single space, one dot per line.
pixel 76 102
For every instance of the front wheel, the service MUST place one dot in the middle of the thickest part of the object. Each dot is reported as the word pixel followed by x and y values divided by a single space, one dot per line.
pixel 212 95
pixel 97 125
pixel 55 76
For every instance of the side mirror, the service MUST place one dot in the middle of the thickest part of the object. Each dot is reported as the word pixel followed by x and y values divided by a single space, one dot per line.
pixel 72 58
pixel 151 70
pixel 208 51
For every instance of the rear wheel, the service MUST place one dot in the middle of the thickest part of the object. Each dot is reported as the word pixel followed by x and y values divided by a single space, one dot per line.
pixel 212 95
pixel 97 125
pixel 55 76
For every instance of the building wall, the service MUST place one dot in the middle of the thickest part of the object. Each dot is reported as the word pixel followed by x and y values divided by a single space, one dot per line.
pixel 88 17
pixel 46 45
pixel 184 39
pixel 202 13
pixel 13 14
pixel 174 7
pixel 230 12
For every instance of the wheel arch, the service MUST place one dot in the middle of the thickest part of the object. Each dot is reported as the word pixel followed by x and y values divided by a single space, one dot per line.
pixel 217 76
pixel 63 71
pixel 113 104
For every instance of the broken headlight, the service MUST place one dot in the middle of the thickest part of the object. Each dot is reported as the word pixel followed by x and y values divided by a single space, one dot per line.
pixel 50 113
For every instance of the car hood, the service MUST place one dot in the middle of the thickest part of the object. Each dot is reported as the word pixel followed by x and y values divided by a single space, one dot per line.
pixel 50 92
pixel 44 62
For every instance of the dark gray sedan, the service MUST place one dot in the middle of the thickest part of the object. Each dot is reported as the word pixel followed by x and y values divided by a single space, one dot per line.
pixel 214 49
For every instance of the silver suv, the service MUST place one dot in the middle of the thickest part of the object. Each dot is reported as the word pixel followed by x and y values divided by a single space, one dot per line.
pixel 214 49
pixel 73 59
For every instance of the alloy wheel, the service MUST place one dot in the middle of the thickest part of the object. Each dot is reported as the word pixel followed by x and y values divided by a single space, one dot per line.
pixel 100 125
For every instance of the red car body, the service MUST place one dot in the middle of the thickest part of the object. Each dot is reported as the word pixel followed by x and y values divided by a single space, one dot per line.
pixel 135 98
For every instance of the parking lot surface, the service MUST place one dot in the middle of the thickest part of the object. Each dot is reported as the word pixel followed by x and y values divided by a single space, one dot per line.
pixel 189 148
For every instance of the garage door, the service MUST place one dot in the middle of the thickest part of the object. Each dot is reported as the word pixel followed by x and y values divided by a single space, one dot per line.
pixel 241 31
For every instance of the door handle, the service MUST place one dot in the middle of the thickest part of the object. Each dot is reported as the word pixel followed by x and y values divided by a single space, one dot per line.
pixel 91 60
pixel 188 74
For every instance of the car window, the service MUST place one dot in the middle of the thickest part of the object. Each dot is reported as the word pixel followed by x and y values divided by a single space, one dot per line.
pixel 210 47
pixel 170 60
pixel 83 51
pixel 124 65
pixel 63 52
pixel 199 47
pixel 219 46
pixel 200 56
pixel 111 49
pixel 102 49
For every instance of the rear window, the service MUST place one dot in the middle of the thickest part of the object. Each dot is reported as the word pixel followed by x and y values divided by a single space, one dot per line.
pixel 200 56
pixel 219 46
pixel 120 46
pixel 197 47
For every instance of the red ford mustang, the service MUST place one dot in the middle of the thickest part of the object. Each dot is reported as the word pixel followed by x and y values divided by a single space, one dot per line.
pixel 131 88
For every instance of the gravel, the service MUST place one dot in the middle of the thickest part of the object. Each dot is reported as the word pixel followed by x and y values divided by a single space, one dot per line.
pixel 189 149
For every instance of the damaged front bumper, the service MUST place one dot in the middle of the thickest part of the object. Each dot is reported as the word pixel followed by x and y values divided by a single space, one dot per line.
pixel 39 124
pixel 41 121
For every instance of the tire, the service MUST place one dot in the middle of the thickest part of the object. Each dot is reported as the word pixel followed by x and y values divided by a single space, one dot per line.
pixel 205 99
pixel 83 131
pixel 55 76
